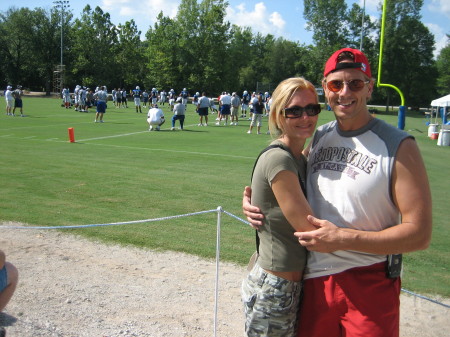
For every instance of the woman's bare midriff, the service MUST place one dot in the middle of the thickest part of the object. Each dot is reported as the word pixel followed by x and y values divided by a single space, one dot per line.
pixel 294 276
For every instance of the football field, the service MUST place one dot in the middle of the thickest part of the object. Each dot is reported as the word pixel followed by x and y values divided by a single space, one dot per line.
pixel 118 171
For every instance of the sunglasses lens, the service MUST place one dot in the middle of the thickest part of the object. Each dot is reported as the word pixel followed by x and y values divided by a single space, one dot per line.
pixel 293 112
pixel 313 109
pixel 297 111
pixel 356 85
pixel 335 86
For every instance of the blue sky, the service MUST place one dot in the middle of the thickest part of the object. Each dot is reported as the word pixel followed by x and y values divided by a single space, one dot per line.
pixel 278 17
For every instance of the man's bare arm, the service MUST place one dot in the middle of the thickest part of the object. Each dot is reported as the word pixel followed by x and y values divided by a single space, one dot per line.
pixel 253 213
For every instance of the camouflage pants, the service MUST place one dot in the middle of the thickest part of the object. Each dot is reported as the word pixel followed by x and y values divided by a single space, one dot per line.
pixel 271 304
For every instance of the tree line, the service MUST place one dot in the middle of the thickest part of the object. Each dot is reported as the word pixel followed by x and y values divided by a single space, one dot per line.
pixel 199 50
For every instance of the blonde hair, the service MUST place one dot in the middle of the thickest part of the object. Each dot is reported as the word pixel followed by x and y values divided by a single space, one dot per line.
pixel 281 97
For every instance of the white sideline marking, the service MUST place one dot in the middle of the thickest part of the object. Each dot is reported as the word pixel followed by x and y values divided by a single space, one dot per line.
pixel 114 136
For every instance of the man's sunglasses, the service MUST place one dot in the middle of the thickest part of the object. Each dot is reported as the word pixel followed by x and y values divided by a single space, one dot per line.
pixel 353 85
pixel 297 111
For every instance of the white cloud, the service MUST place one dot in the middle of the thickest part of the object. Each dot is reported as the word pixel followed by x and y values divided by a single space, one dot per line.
pixel 371 5
pixel 143 12
pixel 440 6
pixel 258 19
pixel 277 20
pixel 439 37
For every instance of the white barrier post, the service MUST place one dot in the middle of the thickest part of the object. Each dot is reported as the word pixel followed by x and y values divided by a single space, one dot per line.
pixel 216 296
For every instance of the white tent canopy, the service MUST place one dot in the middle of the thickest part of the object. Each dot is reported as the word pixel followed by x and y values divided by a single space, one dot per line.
pixel 443 101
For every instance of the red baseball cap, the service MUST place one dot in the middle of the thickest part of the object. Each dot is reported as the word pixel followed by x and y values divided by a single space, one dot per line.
pixel 360 62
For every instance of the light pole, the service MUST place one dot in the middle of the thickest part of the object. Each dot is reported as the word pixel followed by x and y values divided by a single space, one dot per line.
pixel 362 26
pixel 62 5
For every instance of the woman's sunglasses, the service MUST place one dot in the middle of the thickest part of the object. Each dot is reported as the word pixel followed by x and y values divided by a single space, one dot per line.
pixel 297 111
pixel 353 85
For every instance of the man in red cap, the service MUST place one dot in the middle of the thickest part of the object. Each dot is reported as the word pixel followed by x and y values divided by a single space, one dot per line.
pixel 369 191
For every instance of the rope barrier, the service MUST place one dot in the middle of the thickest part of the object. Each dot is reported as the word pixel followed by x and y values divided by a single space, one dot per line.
pixel 219 210
pixel 112 223
pixel 425 298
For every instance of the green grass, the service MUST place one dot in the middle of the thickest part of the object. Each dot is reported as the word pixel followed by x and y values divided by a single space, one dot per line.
pixel 118 171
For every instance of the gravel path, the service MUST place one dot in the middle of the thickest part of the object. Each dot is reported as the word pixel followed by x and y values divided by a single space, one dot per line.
pixel 70 286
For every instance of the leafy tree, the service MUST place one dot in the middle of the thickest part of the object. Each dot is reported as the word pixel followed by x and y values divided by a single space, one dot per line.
pixel 328 19
pixel 94 38
pixel 189 42
pixel 282 60
pixel 330 23
pixel 162 53
pixel 239 52
pixel 443 68
pixel 15 28
pixel 408 53
pixel 258 67
pixel 355 29
pixel 215 70
pixel 129 56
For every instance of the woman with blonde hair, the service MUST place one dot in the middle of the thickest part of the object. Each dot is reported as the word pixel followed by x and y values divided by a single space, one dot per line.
pixel 271 291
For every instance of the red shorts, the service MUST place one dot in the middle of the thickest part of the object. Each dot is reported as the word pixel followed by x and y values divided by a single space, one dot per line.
pixel 359 302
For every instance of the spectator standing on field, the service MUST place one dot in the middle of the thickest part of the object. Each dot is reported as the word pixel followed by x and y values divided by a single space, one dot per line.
pixel 258 110
pixel 9 100
pixel 119 97
pixel 124 98
pixel 90 100
pixel 203 106
pixel 18 103
pixel 225 107
pixel 235 103
pixel 101 96
pixel 179 113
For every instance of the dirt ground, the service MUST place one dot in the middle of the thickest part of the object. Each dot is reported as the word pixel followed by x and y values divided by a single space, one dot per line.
pixel 70 286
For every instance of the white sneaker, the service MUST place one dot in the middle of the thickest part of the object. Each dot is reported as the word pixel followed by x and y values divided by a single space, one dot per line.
pixel 172 129
pixel 150 128
pixel 218 123
pixel 249 132
pixel 206 124
pixel 199 124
